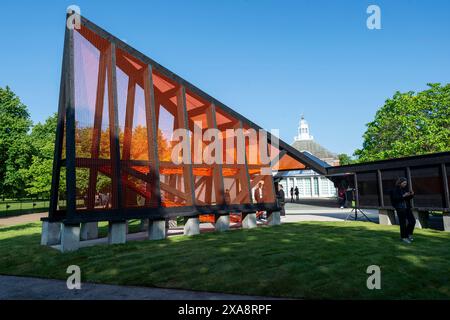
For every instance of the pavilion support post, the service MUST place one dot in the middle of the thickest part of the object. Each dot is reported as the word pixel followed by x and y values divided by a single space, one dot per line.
pixel 157 230
pixel 386 217
pixel 70 237
pixel 421 218
pixel 117 232
pixel 51 233
pixel 144 224
pixel 273 218
pixel 191 226
pixel 222 222
pixel 89 230
pixel 249 220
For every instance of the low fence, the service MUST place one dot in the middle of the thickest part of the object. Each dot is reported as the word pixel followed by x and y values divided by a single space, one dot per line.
pixel 14 207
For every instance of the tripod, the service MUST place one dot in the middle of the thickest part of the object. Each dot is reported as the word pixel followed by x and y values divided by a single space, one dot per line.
pixel 355 211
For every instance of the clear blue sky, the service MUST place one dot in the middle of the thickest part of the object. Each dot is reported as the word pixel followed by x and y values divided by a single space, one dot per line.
pixel 269 60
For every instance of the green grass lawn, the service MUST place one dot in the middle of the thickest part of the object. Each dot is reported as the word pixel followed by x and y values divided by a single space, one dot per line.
pixel 303 260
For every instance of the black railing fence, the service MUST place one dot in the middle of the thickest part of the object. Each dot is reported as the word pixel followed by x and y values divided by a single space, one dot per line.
pixel 14 207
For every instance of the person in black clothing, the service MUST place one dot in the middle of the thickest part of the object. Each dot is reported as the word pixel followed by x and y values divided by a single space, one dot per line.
pixel 296 194
pixel 401 201
pixel 292 194
pixel 281 199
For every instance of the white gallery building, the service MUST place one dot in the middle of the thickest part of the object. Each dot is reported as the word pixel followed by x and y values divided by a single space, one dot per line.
pixel 309 183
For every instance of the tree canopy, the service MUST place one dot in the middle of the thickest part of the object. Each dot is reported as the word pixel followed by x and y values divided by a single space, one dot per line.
pixel 409 124
pixel 15 149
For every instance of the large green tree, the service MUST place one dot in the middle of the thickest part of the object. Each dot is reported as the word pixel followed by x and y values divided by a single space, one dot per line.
pixel 38 175
pixel 409 124
pixel 15 149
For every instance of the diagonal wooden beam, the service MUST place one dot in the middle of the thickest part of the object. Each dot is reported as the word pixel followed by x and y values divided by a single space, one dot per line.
pixel 97 130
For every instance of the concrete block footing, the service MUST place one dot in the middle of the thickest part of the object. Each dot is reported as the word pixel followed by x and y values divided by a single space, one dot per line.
pixel 249 220
pixel 157 229
pixel 274 218
pixel 70 237
pixel 191 226
pixel 89 231
pixel 446 220
pixel 51 233
pixel 421 218
pixel 222 223
pixel 117 232
pixel 386 217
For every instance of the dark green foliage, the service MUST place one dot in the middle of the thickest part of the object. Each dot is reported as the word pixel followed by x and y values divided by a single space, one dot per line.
pixel 15 151
pixel 409 124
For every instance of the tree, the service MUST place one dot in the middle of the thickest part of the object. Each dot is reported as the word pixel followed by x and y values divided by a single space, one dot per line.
pixel 38 175
pixel 409 124
pixel 345 159
pixel 15 150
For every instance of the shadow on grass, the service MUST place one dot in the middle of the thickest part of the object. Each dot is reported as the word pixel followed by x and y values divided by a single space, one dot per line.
pixel 19 227
pixel 302 260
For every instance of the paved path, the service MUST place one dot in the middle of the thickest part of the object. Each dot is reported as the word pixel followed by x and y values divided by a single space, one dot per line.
pixel 25 218
pixel 14 288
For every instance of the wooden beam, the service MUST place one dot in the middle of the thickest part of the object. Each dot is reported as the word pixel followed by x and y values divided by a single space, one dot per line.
pixel 445 184
pixel 174 191
pixel 59 137
pixel 380 188
pixel 183 123
pixel 114 128
pixel 97 131
pixel 217 175
pixel 197 111
pixel 409 178
pixel 70 126
pixel 129 115
pixel 246 182
pixel 152 134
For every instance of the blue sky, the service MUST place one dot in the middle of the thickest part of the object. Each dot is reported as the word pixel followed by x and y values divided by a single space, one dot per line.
pixel 269 60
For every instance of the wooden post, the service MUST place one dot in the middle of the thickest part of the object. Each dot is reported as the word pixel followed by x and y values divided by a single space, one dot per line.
pixel 114 128
pixel 152 134
pixel 217 174
pixel 54 193
pixel 446 186
pixel 380 188
pixel 70 126
pixel 97 131
pixel 408 176
pixel 246 185
pixel 188 175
